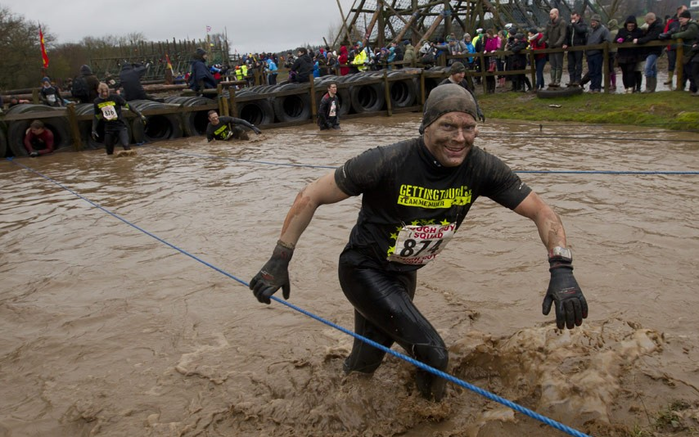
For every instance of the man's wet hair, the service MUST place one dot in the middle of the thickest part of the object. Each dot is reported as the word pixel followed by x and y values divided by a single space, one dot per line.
pixel 212 111
pixel 37 124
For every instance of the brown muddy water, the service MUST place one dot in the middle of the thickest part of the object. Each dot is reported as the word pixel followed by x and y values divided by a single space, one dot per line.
pixel 108 331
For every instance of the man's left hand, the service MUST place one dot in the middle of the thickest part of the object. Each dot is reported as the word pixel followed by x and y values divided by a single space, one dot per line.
pixel 564 291
pixel 256 130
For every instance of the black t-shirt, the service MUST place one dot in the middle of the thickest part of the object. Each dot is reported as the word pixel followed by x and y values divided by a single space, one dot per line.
pixel 109 110
pixel 223 130
pixel 411 205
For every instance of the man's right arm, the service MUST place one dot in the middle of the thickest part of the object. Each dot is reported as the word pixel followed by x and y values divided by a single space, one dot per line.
pixel 275 273
pixel 322 191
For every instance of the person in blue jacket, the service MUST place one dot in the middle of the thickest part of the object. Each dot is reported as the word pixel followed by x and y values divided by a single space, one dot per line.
pixel 200 77
pixel 272 71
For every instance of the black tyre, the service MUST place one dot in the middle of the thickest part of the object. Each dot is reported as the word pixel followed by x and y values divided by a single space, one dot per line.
pixel 553 93
pixel 296 107
pixel 403 93
pixel 258 112
pixel 57 125
pixel 3 140
pixel 367 98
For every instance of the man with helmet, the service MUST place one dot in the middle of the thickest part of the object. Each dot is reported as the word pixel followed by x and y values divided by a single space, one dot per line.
pixel 415 195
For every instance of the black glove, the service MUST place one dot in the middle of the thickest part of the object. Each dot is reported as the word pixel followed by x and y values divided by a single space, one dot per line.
pixel 664 36
pixel 481 117
pixel 256 130
pixel 273 275
pixel 143 119
pixel 95 135
pixel 571 306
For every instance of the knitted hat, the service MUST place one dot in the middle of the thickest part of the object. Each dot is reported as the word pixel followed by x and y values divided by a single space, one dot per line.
pixel 200 52
pixel 447 98
pixel 596 17
pixel 46 79
pixel 685 14
pixel 457 67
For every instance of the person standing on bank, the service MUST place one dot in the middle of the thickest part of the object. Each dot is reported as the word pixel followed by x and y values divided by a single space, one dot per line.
pixel 595 57
pixel 415 195
pixel 652 33
pixel 577 36
pixel 555 37
pixel 329 110
pixel 108 109
pixel 226 128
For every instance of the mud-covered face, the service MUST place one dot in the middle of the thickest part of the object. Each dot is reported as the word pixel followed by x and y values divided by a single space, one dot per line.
pixel 450 137
pixel 213 118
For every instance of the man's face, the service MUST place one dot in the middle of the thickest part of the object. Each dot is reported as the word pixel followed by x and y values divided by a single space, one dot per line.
pixel 683 21
pixel 594 24
pixel 553 14
pixel 37 130
pixel 458 77
pixel 46 84
pixel 213 118
pixel 104 92
pixel 574 18
pixel 332 89
pixel 451 137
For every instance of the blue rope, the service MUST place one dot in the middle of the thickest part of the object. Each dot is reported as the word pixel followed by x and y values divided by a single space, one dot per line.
pixel 282 164
pixel 520 409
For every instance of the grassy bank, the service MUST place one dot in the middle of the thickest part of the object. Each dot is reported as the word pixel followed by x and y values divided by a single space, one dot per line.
pixel 667 109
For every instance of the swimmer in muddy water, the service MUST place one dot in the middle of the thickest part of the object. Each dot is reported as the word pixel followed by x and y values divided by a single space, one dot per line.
pixel 416 193
pixel 225 128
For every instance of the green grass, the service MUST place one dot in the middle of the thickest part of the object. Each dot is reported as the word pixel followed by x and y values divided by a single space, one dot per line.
pixel 668 109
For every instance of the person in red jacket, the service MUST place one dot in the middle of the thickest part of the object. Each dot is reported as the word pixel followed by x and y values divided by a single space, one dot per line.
pixel 38 140
pixel 343 61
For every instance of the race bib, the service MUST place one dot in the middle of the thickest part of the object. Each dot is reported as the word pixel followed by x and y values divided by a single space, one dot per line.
pixel 109 113
pixel 418 245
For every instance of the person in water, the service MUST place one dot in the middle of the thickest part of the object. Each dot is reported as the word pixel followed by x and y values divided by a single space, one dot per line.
pixel 415 195
pixel 225 128
pixel 38 140
pixel 108 109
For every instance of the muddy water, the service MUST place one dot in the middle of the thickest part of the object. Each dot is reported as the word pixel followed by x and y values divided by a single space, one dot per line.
pixel 109 331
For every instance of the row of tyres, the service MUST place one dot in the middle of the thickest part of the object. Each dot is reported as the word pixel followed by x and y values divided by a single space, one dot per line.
pixel 168 121
pixel 358 93
pixel 177 116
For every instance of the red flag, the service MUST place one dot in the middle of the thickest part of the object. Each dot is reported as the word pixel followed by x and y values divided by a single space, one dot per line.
pixel 169 65
pixel 44 56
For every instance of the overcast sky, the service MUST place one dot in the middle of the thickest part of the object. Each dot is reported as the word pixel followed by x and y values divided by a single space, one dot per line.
pixel 252 25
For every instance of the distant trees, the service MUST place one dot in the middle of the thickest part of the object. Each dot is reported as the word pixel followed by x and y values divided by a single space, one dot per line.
pixel 20 52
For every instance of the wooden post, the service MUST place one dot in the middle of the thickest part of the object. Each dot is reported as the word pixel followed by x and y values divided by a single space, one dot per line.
pixel 219 89
pixel 605 66
pixel 35 96
pixel 74 128
pixel 314 109
pixel 232 107
pixel 387 91
pixel 532 64
pixel 679 67
pixel 422 90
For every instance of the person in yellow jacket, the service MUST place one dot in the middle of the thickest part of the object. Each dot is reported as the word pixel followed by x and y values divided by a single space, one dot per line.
pixel 361 59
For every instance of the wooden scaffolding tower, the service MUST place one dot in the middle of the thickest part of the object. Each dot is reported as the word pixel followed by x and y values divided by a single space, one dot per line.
pixel 378 22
